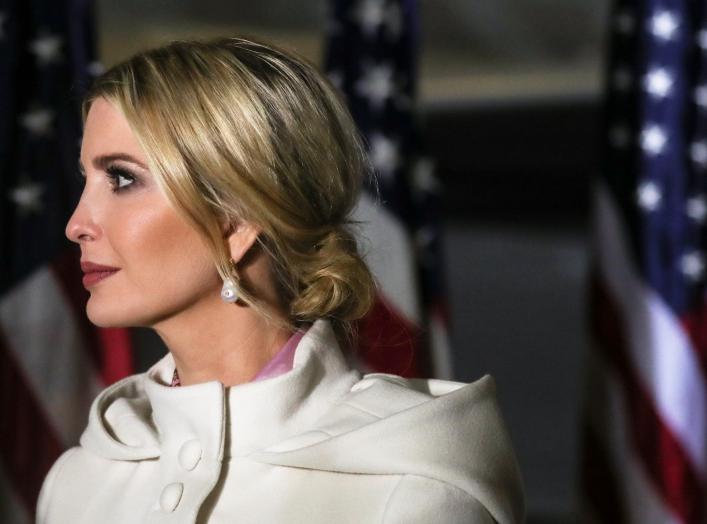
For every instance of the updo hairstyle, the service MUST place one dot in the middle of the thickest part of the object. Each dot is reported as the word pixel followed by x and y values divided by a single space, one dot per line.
pixel 239 130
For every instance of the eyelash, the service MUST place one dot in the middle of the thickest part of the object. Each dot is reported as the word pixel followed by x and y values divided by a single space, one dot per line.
pixel 115 174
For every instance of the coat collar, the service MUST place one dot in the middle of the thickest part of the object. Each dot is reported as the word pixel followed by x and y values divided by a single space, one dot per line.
pixel 141 417
pixel 320 416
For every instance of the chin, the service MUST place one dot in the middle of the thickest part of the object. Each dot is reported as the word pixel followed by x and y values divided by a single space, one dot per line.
pixel 112 315
pixel 104 319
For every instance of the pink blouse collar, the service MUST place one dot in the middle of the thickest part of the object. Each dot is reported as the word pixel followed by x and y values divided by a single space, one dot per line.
pixel 279 364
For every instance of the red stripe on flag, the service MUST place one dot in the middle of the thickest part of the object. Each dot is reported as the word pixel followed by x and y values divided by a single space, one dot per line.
pixel 661 454
pixel 117 355
pixel 695 324
pixel 390 343
pixel 29 444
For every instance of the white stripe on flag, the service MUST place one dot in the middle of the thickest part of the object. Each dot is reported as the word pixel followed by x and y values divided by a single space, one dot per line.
pixel 388 251
pixel 658 347
pixel 643 503
pixel 44 338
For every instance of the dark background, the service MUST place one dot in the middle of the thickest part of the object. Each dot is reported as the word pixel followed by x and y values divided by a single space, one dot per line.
pixel 510 97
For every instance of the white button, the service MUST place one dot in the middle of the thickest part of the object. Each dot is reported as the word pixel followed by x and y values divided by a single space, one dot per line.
pixel 190 454
pixel 171 494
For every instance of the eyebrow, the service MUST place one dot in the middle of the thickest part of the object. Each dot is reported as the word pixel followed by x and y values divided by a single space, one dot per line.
pixel 101 161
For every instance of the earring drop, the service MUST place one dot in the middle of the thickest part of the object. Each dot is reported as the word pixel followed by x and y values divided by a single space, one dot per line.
pixel 229 291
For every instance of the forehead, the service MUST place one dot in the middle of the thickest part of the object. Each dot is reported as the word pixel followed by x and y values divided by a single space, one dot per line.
pixel 107 131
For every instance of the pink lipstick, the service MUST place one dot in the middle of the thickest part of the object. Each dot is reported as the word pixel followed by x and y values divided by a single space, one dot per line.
pixel 96 272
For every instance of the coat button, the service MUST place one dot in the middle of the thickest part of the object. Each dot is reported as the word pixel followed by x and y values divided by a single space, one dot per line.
pixel 190 454
pixel 171 495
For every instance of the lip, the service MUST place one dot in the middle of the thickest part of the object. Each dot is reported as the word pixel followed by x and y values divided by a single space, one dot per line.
pixel 94 273
pixel 89 267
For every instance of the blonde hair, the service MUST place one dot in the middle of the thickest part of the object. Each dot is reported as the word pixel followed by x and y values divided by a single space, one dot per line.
pixel 234 130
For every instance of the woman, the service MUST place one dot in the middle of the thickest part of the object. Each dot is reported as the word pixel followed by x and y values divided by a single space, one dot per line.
pixel 218 181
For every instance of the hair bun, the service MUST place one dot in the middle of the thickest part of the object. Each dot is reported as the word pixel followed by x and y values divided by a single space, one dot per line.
pixel 337 282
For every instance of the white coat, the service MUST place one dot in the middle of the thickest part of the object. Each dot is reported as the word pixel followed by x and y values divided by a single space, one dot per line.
pixel 318 444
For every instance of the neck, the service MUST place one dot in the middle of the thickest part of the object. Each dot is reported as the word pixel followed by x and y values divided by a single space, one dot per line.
pixel 218 341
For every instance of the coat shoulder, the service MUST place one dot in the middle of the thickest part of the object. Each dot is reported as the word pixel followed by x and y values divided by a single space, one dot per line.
pixel 46 493
pixel 384 394
pixel 444 434
pixel 418 500
pixel 390 399
pixel 67 484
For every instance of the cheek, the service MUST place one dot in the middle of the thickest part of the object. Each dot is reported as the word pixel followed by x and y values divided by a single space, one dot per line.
pixel 165 265
pixel 184 263
pixel 164 259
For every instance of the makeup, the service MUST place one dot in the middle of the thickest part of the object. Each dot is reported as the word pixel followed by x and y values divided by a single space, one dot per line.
pixel 94 273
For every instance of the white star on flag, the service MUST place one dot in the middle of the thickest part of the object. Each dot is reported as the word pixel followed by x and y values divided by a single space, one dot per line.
pixel 692 265
pixel 384 154
pixel 423 176
pixel 372 14
pixel 336 78
pixel 698 153
pixel 658 82
pixel 369 15
pixel 649 196
pixel 663 25
pixel 653 140
pixel 95 68
pixel 696 208
pixel 701 96
pixel 27 197
pixel 625 22
pixel 38 121
pixel 423 242
pixel 702 39
pixel 377 84
pixel 423 238
pixel 394 20
pixel 47 49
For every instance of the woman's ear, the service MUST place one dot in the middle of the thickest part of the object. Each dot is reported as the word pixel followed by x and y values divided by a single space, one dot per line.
pixel 241 238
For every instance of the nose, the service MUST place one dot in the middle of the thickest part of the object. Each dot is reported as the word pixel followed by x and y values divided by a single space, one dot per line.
pixel 81 227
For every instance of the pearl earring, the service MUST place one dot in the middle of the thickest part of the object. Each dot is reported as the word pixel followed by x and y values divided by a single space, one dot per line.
pixel 229 291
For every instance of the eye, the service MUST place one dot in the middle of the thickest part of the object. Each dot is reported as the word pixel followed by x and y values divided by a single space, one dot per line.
pixel 120 179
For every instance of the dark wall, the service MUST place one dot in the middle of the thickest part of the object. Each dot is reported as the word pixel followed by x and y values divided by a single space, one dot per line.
pixel 518 161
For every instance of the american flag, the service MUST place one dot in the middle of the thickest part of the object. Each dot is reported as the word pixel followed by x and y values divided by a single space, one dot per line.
pixel 371 57
pixel 645 449
pixel 52 362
